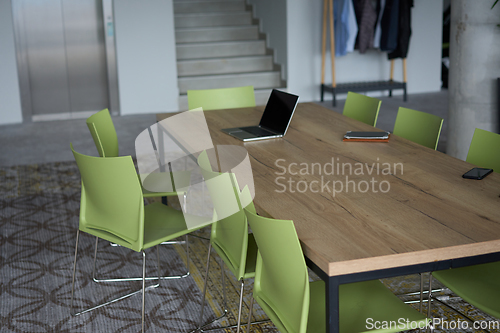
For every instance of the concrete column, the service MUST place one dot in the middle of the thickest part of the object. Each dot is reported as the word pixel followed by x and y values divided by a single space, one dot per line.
pixel 474 69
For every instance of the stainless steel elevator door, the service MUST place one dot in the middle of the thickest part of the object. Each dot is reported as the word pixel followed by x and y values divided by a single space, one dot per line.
pixel 61 56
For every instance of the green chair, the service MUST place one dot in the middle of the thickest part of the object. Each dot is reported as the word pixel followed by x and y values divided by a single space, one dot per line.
pixel 419 127
pixel 103 132
pixel 224 98
pixel 479 285
pixel 484 150
pixel 112 208
pixel 362 108
pixel 229 235
pixel 294 304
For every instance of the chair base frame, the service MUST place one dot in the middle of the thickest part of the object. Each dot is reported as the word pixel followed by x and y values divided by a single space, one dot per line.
pixel 143 289
pixel 238 325
pixel 170 277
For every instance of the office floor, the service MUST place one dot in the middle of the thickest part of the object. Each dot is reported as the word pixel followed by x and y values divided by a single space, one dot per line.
pixel 43 142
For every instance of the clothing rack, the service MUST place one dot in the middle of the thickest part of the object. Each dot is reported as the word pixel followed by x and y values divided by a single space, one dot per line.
pixel 335 88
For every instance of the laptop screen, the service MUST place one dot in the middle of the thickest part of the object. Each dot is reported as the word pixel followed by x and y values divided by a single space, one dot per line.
pixel 279 111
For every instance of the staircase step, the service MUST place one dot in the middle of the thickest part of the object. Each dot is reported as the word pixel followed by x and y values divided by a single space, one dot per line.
pixel 261 98
pixel 219 50
pixel 189 7
pixel 225 65
pixel 212 19
pixel 216 34
pixel 259 80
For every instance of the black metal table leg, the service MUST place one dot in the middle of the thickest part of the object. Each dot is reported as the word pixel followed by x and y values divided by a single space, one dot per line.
pixel 332 304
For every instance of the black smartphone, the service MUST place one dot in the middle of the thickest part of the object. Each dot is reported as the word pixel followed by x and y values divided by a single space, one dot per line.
pixel 477 173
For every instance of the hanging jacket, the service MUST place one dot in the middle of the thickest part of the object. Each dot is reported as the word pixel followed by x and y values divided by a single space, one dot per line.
pixel 390 26
pixel 367 17
pixel 404 31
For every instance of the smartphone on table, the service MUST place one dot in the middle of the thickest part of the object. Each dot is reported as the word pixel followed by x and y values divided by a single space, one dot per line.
pixel 477 173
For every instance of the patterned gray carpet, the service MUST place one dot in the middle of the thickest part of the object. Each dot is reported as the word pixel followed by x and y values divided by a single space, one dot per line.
pixel 39 211
pixel 39 208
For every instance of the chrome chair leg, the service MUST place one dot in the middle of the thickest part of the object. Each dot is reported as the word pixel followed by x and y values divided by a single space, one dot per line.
pixel 242 289
pixel 170 277
pixel 250 315
pixel 205 285
pixel 224 293
pixel 144 285
pixel 429 303
pixel 421 296
pixel 74 272
pixel 421 293
pixel 144 279
pixel 187 255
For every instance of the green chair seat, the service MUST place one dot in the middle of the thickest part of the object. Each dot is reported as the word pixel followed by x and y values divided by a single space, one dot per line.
pixel 478 285
pixel 484 150
pixel 362 108
pixel 161 180
pixel 158 229
pixel 419 127
pixel 223 98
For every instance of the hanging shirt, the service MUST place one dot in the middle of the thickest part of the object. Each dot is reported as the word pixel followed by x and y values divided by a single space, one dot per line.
pixel 367 17
pixel 352 27
pixel 341 24
pixel 378 27
pixel 404 30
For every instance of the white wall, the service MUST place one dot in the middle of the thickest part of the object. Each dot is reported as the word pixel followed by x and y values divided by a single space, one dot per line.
pixel 304 46
pixel 10 98
pixel 146 59
pixel 273 21
pixel 304 22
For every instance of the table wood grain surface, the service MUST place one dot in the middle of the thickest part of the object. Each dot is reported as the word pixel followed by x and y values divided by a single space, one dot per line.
pixel 417 209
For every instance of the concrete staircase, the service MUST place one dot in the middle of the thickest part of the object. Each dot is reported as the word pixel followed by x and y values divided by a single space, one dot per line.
pixel 218 46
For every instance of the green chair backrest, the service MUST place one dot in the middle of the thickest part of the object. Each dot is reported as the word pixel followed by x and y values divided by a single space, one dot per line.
pixel 112 205
pixel 484 150
pixel 103 132
pixel 230 233
pixel 362 108
pixel 281 278
pixel 420 127
pixel 224 98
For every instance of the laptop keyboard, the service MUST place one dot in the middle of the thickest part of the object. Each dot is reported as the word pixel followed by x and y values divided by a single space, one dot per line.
pixel 257 131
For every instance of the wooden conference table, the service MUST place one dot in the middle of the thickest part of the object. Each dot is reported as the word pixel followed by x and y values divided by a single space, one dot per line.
pixel 412 213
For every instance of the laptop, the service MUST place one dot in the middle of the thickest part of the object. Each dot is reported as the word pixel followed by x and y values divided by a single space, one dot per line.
pixel 275 119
